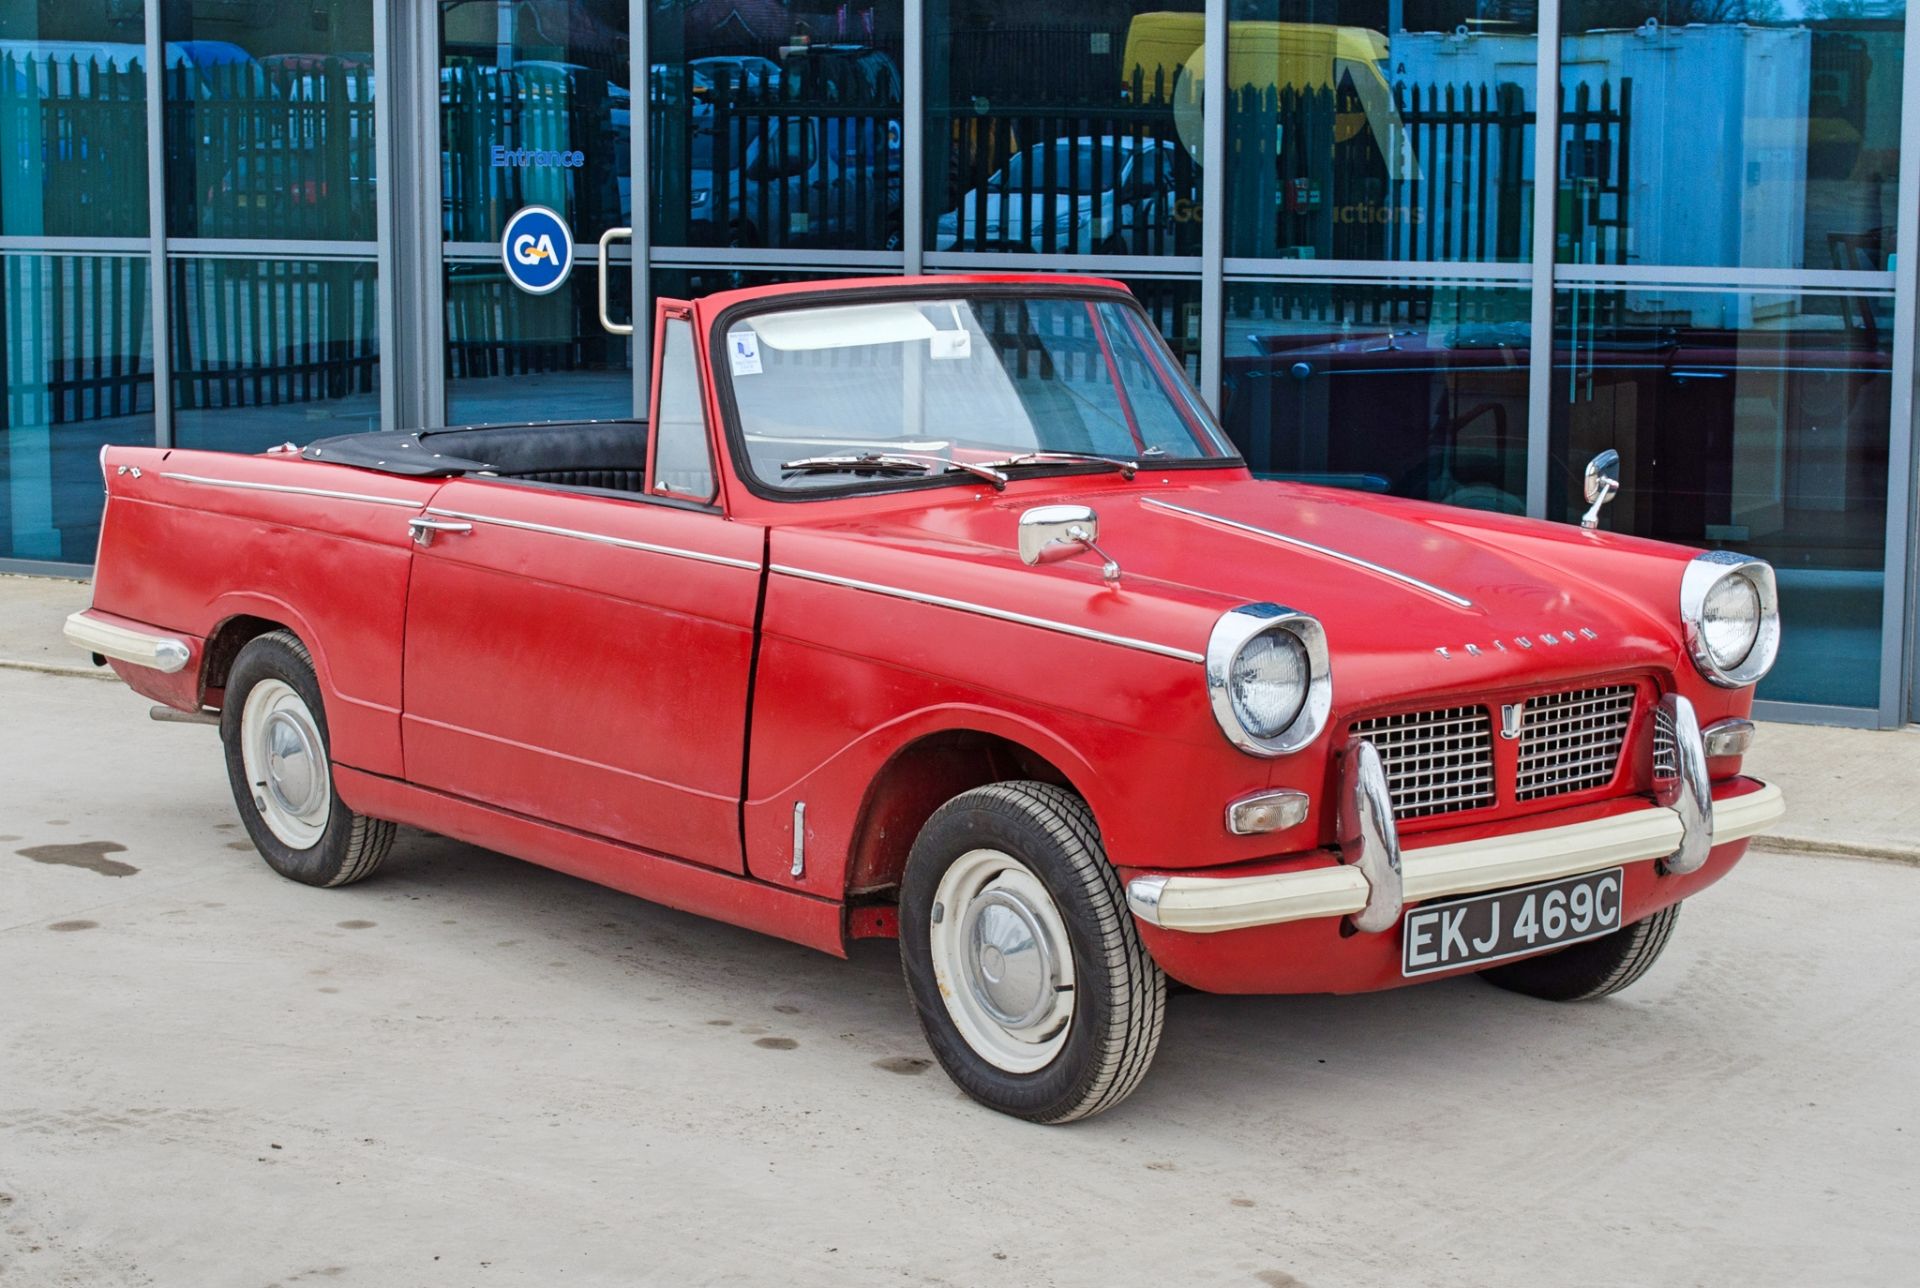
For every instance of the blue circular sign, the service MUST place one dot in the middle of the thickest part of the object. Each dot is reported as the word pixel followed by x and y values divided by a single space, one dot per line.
pixel 537 249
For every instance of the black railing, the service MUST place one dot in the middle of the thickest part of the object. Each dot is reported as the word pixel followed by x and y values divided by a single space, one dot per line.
pixel 271 150
pixel 73 131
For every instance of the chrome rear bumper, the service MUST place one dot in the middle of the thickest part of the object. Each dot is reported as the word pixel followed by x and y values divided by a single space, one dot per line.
pixel 1376 875
pixel 163 653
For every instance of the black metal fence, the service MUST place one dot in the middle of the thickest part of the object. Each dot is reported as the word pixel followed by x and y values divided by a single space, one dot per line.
pixel 271 149
pixel 790 160
pixel 73 131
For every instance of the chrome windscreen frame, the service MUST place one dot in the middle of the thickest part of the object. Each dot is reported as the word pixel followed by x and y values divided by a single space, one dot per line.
pixel 1235 629
pixel 1702 575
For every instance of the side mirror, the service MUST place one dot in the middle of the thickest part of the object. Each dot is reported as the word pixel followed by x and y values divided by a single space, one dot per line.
pixel 1051 532
pixel 1602 483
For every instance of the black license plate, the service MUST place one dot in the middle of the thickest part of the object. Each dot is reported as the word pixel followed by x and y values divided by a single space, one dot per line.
pixel 1510 923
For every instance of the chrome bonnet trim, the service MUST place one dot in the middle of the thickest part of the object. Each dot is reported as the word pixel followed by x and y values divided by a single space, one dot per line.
pixel 1405 579
pixel 600 538
pixel 999 614
pixel 245 485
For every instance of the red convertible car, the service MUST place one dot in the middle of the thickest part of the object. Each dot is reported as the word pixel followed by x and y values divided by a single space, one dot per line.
pixel 942 610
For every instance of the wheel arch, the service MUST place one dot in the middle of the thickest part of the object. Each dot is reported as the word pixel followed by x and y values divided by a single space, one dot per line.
pixel 929 769
pixel 244 618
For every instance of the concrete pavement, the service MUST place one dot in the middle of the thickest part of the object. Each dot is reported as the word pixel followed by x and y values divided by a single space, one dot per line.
pixel 468 1070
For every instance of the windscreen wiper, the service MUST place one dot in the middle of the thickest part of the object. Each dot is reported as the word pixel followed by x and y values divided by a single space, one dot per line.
pixel 1127 468
pixel 890 463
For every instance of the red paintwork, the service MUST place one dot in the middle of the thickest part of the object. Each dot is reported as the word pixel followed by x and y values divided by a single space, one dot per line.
pixel 609 710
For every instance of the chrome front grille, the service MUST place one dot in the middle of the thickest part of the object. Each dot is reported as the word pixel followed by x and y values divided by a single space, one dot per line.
pixel 1437 762
pixel 1571 742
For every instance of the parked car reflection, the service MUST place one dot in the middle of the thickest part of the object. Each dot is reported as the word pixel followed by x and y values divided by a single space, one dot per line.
pixel 1082 195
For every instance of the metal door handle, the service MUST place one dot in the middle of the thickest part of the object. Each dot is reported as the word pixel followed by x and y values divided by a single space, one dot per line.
pixel 607 239
pixel 422 529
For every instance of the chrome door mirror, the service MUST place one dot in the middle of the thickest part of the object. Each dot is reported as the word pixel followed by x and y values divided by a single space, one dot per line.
pixel 1602 484
pixel 1050 532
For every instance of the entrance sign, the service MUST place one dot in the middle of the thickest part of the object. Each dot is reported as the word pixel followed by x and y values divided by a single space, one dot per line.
pixel 537 249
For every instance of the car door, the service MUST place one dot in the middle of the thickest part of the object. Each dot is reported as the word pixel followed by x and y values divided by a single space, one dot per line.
pixel 582 656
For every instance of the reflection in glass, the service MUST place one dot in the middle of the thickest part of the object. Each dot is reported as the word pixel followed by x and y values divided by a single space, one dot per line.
pixel 780 132
pixel 1073 133
pixel 1743 134
pixel 76 358
pixel 1173 304
pixel 985 378
pixel 1745 421
pixel 73 124
pixel 1409 389
pixel 513 356
pixel 272 351
pixel 1348 140
pixel 269 126
pixel 536 109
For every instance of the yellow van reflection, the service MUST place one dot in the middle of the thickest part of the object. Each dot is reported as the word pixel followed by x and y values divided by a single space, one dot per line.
pixel 1163 52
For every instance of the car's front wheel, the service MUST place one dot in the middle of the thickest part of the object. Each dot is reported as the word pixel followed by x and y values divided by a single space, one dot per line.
pixel 278 760
pixel 1023 962
pixel 1596 968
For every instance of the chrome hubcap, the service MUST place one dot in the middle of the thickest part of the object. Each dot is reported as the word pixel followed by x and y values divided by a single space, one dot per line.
pixel 1010 964
pixel 1003 962
pixel 292 764
pixel 286 764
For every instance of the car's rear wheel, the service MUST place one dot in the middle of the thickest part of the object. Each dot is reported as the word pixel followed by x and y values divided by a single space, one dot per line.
pixel 1021 957
pixel 279 762
pixel 1597 968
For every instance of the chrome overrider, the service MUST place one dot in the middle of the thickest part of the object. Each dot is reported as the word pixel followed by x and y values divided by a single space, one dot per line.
pixel 1375 877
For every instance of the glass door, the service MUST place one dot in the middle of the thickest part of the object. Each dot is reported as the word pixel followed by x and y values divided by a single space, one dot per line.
pixel 536 163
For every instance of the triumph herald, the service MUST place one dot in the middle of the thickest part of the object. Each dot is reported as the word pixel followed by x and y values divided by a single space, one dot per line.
pixel 941 610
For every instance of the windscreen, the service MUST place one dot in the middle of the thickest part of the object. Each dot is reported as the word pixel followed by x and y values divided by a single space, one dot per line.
pixel 972 378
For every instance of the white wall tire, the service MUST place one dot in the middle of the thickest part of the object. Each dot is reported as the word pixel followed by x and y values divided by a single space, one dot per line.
pixel 1023 962
pixel 1000 953
pixel 279 763
pixel 286 764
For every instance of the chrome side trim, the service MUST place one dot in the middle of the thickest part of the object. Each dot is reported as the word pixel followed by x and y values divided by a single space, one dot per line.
pixel 1207 905
pixel 999 614
pixel 700 556
pixel 799 868
pixel 245 485
pixel 1405 579
pixel 162 653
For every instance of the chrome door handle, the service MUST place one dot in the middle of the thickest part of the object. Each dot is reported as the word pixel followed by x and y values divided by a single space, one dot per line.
pixel 422 529
pixel 607 239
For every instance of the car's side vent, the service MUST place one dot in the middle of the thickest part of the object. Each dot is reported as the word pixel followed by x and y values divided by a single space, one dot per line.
pixel 1437 762
pixel 1571 742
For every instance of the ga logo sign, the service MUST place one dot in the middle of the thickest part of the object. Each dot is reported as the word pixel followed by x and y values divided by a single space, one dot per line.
pixel 537 249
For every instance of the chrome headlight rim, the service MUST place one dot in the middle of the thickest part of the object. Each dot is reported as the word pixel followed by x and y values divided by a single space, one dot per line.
pixel 1239 627
pixel 1703 574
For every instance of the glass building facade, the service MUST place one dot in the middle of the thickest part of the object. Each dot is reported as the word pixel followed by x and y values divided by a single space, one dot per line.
pixel 1443 249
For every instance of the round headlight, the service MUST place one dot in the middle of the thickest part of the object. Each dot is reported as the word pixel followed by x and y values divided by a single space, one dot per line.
pixel 1268 678
pixel 1730 620
pixel 1269 682
pixel 1730 611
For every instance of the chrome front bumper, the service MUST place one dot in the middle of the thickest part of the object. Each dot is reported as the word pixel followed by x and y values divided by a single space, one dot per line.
pixel 1375 877
pixel 163 653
